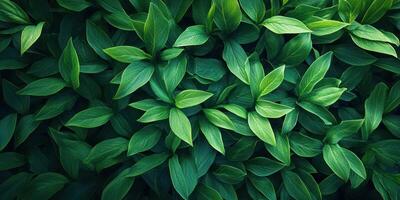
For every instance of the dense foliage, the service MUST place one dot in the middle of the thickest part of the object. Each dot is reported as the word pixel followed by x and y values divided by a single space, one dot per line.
pixel 199 99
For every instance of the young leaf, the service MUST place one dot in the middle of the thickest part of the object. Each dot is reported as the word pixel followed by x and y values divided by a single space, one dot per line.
pixel 285 25
pixel 180 125
pixel 29 36
pixel 374 106
pixel 213 135
pixel 336 160
pixel 261 128
pixel 192 36
pixel 218 118
pixel 133 77
pixel 143 140
pixel 69 66
pixel 270 109
pixel 126 54
pixel 91 117
pixel 146 164
pixel 156 29
pixel 325 96
pixel 227 15
pixel 189 98
pixel 272 80
pixel 43 87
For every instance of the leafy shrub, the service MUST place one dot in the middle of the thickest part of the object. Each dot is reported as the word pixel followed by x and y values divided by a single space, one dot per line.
pixel 199 99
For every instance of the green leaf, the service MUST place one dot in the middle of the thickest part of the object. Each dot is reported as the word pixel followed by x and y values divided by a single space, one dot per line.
pixel 45 185
pixel 296 50
pixel 12 186
pixel 295 186
pixel 74 5
pixel 312 149
pixel 272 80
pixel 368 32
pixel 389 64
pixel 325 96
pixel 134 76
pixel 143 140
pixel 169 54
pixel 91 117
pixel 207 193
pixel 156 29
pixel 374 107
pixel 349 9
pixel 236 109
pixel 229 174
pixel 43 87
pixel 11 160
pixel 344 129
pixel 181 176
pixel 155 114
pixel 19 103
pixel 261 128
pixel 393 98
pixel 146 164
pixel 180 125
pixel 352 55
pixel 271 109
pixel 254 9
pixel 281 151
pixel 213 135
pixel 376 10
pixel 261 166
pixel 336 160
pixel 126 54
pixel 219 118
pixel 327 117
pixel 118 187
pixel 56 105
pixel 97 38
pixel 25 127
pixel 11 12
pixel 104 154
pixel 189 98
pixel 111 5
pixel 392 123
pixel 30 35
pixel 375 46
pixel 314 74
pixel 355 163
pixel 325 27
pixel 285 25
pixel 235 58
pixel 264 186
pixel 192 36
pixel 69 66
pixel 227 15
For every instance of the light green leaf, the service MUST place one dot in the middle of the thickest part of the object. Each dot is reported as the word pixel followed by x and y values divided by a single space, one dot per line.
pixel 344 129
pixel 375 46
pixel 91 117
pixel 180 125
pixel 212 135
pixel 336 160
pixel 314 74
pixel 189 98
pixel 325 96
pixel 143 140
pixel 271 109
pixel 29 36
pixel 285 25
pixel 133 77
pixel 43 87
pixel 261 128
pixel 126 54
pixel 146 164
pixel 227 15
pixel 156 29
pixel 219 119
pixel 326 27
pixel 192 36
pixel 272 80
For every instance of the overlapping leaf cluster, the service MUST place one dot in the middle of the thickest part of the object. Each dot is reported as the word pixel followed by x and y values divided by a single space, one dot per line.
pixel 199 99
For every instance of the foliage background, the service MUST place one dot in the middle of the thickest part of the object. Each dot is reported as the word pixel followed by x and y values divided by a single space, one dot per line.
pixel 199 99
